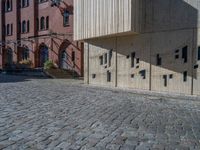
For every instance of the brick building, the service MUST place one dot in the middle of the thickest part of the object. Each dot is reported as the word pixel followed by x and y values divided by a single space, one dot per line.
pixel 34 30
pixel 141 44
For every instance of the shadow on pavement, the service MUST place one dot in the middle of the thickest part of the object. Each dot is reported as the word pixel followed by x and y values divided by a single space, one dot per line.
pixel 6 78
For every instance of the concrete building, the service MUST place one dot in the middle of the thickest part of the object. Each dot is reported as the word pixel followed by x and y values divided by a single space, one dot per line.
pixel 34 30
pixel 140 44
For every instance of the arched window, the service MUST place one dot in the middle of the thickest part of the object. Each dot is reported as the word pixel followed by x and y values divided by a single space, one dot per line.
pixel 24 3
pixel 25 53
pixel 65 18
pixel 42 25
pixel 8 5
pixel 28 26
pixel 47 22
pixel 8 29
pixel 24 26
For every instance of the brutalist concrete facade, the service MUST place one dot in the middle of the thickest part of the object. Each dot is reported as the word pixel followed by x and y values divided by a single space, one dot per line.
pixel 53 40
pixel 141 44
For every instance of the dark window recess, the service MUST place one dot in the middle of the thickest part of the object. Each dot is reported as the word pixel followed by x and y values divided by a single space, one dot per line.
pixel 143 74
pixel 108 76
pixel 110 57
pixel 165 80
pixel 158 60
pixel 185 76
pixel 19 27
pixel 196 66
pixel 42 25
pixel 138 60
pixel 177 51
pixel 137 67
pixel 133 59
pixel 28 26
pixel 198 53
pixel 37 24
pixel 106 58
pixel 127 56
pixel 93 76
pixel 132 75
pixel 73 55
pixel 24 26
pixel 185 53
pixel 176 56
pixel 65 18
pixel 101 60
pixel 171 76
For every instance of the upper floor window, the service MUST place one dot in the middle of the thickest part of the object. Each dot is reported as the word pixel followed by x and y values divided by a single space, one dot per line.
pixel 24 26
pixel 37 24
pixel 66 18
pixel 24 3
pixel 9 29
pixel 42 25
pixel 25 53
pixel 8 5
pixel 28 26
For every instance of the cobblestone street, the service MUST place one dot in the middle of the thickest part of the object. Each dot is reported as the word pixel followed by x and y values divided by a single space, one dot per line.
pixel 55 114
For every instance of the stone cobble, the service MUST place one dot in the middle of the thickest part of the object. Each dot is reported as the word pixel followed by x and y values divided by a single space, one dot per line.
pixel 65 114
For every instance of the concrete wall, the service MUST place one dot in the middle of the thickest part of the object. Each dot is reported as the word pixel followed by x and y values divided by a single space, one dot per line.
pixel 166 28
pixel 94 18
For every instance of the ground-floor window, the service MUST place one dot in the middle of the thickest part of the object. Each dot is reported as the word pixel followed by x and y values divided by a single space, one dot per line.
pixel 25 54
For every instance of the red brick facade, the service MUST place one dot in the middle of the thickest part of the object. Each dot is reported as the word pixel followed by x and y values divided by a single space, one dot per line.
pixel 35 30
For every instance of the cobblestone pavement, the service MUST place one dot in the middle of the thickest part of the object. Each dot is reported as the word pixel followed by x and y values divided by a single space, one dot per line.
pixel 56 114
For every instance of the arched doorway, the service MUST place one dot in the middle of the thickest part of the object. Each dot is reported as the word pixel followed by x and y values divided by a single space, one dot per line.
pixel 64 60
pixel 43 55
pixel 64 57
pixel 8 57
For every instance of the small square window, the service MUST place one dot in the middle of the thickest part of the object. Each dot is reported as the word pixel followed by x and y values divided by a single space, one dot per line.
pixel 143 74
pixel 177 51
pixel 176 56
pixel 185 76
pixel 108 76
pixel 93 76
pixel 196 66
pixel 165 80
pixel 138 61
pixel 158 60
pixel 101 60
pixel 132 75
pixel 171 76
